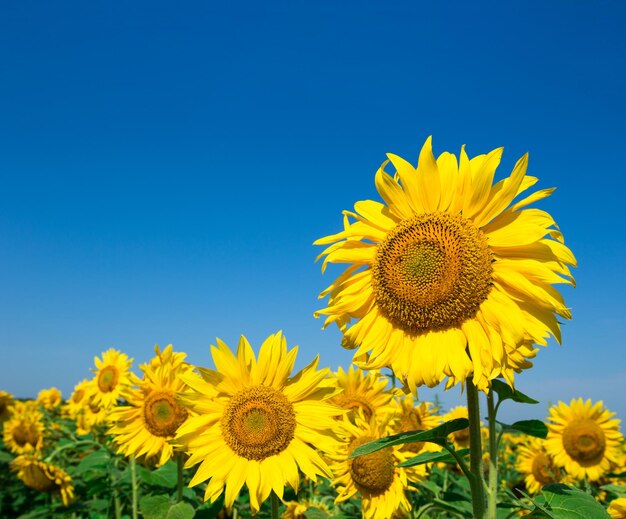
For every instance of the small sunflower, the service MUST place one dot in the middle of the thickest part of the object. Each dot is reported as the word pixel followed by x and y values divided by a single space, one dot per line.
pixel 76 402
pixel 583 438
pixel 617 508
pixel 149 422
pixel 92 415
pixel 298 509
pixel 24 432
pixel 375 477
pixel 50 398
pixel 536 465
pixel 461 438
pixel 363 391
pixel 6 403
pixel 411 416
pixel 450 277
pixel 44 477
pixel 113 378
pixel 256 424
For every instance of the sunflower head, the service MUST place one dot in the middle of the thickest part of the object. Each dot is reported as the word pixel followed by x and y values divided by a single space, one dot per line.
pixel 536 465
pixel 362 392
pixel 50 398
pixel 583 438
pixel 145 426
pixel 460 439
pixel 44 477
pixel 375 477
pixel 113 378
pixel 6 403
pixel 413 416
pixel 451 276
pixel 253 422
pixel 24 432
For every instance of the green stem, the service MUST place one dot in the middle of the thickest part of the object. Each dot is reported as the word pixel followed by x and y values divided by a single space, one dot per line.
pixel 274 500
pixel 133 478
pixel 493 458
pixel 476 452
pixel 57 451
pixel 179 471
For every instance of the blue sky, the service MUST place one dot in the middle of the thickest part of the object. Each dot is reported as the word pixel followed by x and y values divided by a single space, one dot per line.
pixel 165 168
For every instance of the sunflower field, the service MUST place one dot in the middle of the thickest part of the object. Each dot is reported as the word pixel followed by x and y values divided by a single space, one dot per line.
pixel 449 280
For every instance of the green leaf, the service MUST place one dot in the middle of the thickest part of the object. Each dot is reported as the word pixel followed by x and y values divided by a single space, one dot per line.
pixel 427 457
pixel 531 427
pixel 165 476
pixel 437 435
pixel 5 457
pixel 563 502
pixel 463 508
pixel 506 392
pixel 154 507
pixel 617 490
pixel 180 511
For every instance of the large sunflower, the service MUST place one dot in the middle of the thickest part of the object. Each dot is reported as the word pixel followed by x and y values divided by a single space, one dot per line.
pixel 113 378
pixel 447 278
pixel 583 438
pixel 536 465
pixel 149 422
pixel 44 477
pixel 255 423
pixel 363 392
pixel 374 477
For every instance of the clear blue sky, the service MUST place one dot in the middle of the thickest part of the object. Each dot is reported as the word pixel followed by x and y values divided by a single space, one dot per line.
pixel 166 166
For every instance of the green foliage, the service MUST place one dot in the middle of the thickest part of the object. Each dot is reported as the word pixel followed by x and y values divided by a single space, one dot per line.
pixel 506 392
pixel 560 501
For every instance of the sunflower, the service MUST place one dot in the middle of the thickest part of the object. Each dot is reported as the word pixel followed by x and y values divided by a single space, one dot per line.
pixel 44 477
pixel 76 402
pixel 448 278
pixel 255 423
pixel 149 422
pixel 461 438
pixel 92 415
pixel 299 509
pixel 364 392
pixel 6 403
pixel 113 378
pixel 617 508
pixel 24 432
pixel 536 465
pixel 583 438
pixel 50 398
pixel 411 416
pixel 375 477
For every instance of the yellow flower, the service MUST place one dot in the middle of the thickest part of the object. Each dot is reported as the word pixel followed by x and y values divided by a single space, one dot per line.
pixel 49 399
pixel 256 424
pixel 461 438
pixel 411 416
pixel 44 477
pixel 149 422
pixel 24 432
pixel 536 465
pixel 77 400
pixel 583 438
pixel 362 392
pixel 6 402
pixel 91 415
pixel 375 477
pixel 617 508
pixel 297 510
pixel 448 263
pixel 113 378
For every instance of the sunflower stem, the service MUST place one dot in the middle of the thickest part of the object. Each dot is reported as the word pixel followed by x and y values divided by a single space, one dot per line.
pixel 179 473
pixel 133 479
pixel 477 484
pixel 493 458
pixel 274 500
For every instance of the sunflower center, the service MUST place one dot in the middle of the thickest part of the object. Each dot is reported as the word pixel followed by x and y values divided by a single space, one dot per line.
pixel 585 442
pixel 542 469
pixel 432 272
pixel 35 477
pixel 162 414
pixel 462 436
pixel 107 378
pixel 25 434
pixel 258 422
pixel 78 395
pixel 349 401
pixel 372 473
